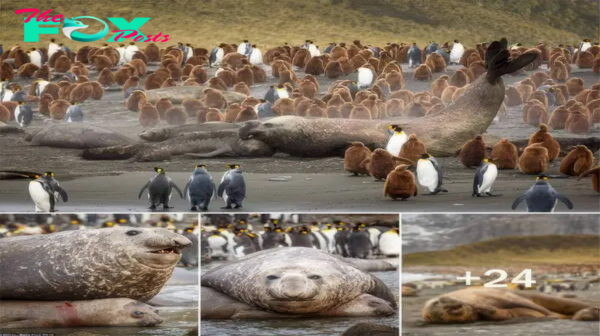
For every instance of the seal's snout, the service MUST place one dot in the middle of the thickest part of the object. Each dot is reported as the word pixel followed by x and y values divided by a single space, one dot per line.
pixel 296 287
pixel 181 242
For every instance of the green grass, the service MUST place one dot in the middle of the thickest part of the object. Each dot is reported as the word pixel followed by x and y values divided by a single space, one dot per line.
pixel 536 250
pixel 271 23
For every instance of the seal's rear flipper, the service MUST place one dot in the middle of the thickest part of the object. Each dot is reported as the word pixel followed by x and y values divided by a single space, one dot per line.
pixel 499 63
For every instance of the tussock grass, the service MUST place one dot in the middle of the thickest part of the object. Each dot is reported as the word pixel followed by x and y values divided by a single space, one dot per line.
pixel 206 23
pixel 549 250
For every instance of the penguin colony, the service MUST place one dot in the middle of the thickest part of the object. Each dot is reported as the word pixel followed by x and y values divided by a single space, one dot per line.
pixel 550 99
pixel 230 239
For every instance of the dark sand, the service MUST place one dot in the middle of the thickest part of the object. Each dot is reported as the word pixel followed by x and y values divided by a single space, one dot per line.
pixel 315 184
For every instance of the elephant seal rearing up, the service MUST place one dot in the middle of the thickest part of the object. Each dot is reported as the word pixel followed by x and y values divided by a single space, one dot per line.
pixel 92 313
pixel 443 133
pixel 123 262
pixel 300 280
pixel 495 304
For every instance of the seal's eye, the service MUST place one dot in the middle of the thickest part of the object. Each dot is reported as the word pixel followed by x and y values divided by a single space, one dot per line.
pixel 272 277
pixel 314 277
pixel 133 232
pixel 137 314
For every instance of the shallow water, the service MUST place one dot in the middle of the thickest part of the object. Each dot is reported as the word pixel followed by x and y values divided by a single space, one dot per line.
pixel 307 326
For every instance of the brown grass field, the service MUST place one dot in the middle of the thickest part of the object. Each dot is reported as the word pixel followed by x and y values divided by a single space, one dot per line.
pixel 207 23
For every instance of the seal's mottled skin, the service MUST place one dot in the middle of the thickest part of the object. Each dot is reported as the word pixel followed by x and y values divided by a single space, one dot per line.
pixel 496 304
pixel 88 264
pixel 78 136
pixel 88 313
pixel 298 280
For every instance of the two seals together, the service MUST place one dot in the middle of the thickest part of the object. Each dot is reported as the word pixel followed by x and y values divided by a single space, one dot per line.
pixel 91 277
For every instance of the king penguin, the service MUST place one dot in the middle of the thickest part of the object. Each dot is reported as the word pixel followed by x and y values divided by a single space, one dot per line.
pixel 429 174
pixel 216 56
pixel 281 92
pixel 74 113
pixel 365 78
pixel 6 94
pixel 44 191
pixel 541 197
pixel 23 114
pixel 233 187
pixel 200 189
pixel 160 188
pixel 41 85
pixel 396 140
pixel 486 174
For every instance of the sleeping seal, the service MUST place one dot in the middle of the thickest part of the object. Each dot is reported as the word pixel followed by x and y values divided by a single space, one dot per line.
pixel 299 280
pixel 88 313
pixel 443 133
pixel 495 304
pixel 77 135
pixel 123 262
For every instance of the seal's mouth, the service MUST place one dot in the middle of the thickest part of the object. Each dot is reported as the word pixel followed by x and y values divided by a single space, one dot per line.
pixel 292 300
pixel 169 250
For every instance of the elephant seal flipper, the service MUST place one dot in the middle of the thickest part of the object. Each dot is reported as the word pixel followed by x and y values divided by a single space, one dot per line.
pixel 216 305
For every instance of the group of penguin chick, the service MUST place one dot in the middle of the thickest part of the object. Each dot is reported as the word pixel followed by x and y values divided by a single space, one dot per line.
pixel 200 188
pixel 401 183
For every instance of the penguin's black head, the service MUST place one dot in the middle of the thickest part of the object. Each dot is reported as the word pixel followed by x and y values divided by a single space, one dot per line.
pixel 233 166
pixel 425 156
pixel 201 166
pixel 159 170
pixel 395 128
pixel 543 177
pixel 49 174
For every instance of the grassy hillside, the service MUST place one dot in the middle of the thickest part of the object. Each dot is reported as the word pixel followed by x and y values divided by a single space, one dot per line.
pixel 269 23
pixel 532 250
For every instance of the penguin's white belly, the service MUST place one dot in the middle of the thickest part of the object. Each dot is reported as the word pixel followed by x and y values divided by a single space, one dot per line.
pixel 36 58
pixel 365 77
pixel 427 175
pixel 238 251
pixel 390 243
pixel 216 244
pixel 330 234
pixel 17 114
pixel 7 95
pixel 242 49
pixel 488 179
pixel 395 143
pixel 39 196
pixel 374 236
pixel 41 87
pixel 256 57
pixel 282 93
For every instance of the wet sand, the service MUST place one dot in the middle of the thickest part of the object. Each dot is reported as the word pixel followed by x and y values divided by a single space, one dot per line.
pixel 413 325
pixel 315 184
pixel 302 192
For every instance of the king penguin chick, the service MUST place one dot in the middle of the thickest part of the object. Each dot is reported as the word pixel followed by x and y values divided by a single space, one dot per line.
pixel 541 197
pixel 365 78
pixel 160 188
pixel 233 187
pixel 429 174
pixel 396 140
pixel 74 113
pixel 485 175
pixel 23 114
pixel 200 189
pixel 400 184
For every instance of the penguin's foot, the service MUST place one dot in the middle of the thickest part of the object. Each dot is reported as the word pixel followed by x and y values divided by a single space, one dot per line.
pixel 167 207
pixel 492 195
pixel 239 206
pixel 204 209
pixel 152 207
pixel 227 207
pixel 193 209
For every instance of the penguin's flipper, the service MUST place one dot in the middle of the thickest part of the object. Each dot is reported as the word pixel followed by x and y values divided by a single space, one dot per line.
pixel 518 201
pixel 63 194
pixel 214 195
pixel 143 188
pixel 187 186
pixel 222 187
pixel 478 179
pixel 176 188
pixel 51 198
pixel 565 200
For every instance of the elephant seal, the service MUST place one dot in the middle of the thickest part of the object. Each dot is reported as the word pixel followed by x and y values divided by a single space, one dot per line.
pixel 87 313
pixel 371 265
pixel 301 280
pixel 123 262
pixel 78 136
pixel 177 94
pixel 371 329
pixel 162 134
pixel 495 304
pixel 443 133
pixel 197 144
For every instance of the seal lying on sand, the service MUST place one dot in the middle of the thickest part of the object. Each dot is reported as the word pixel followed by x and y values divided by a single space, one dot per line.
pixel 123 262
pixel 298 280
pixel 89 313
pixel 162 134
pixel 177 94
pixel 78 136
pixel 443 133
pixel 495 304
pixel 198 144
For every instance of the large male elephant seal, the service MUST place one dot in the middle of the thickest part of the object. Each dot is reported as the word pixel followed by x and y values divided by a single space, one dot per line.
pixel 78 136
pixel 162 134
pixel 443 133
pixel 88 313
pixel 299 280
pixel 496 304
pixel 123 262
